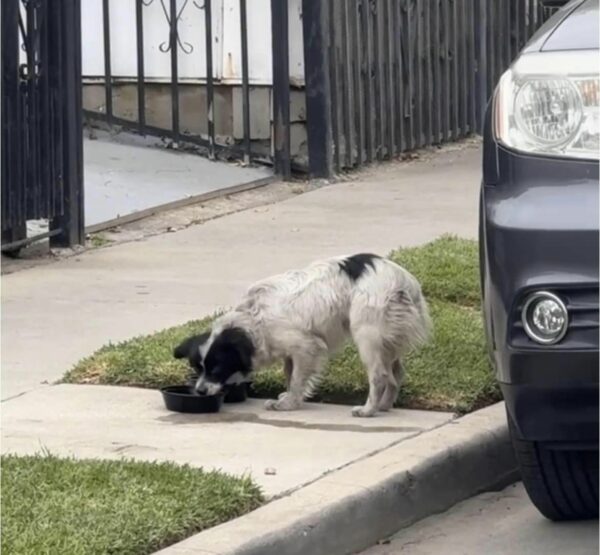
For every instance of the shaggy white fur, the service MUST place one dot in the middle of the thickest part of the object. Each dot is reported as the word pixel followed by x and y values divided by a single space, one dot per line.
pixel 303 316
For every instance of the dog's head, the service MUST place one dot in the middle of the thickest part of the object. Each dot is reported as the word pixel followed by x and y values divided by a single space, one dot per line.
pixel 218 359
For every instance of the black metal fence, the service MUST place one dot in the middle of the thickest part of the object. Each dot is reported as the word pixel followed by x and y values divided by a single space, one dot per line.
pixel 279 151
pixel 42 159
pixel 388 76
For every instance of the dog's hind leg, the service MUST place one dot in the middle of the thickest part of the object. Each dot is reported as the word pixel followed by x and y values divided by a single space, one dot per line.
pixel 395 379
pixel 378 366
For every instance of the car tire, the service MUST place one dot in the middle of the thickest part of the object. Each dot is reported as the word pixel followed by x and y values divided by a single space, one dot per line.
pixel 561 483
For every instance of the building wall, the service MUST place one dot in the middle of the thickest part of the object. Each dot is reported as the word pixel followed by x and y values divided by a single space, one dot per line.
pixel 192 108
pixel 191 47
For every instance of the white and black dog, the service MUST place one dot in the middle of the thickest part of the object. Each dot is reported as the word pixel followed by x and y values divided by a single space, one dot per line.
pixel 303 316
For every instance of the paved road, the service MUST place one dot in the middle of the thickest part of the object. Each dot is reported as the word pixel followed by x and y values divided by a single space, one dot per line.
pixel 502 523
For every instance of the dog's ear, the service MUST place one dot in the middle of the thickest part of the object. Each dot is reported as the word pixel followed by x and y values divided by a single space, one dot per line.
pixel 185 349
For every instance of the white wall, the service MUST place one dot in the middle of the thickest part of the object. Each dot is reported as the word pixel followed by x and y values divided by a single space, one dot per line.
pixel 192 65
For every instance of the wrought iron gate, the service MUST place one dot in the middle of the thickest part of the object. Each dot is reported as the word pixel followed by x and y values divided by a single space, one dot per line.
pixel 42 158
pixel 277 153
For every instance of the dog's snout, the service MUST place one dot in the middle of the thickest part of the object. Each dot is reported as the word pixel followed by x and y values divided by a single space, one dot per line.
pixel 200 387
pixel 205 387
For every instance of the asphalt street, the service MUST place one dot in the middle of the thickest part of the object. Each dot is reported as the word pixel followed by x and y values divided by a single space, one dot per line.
pixel 495 523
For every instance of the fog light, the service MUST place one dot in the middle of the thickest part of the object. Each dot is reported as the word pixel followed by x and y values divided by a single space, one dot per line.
pixel 545 318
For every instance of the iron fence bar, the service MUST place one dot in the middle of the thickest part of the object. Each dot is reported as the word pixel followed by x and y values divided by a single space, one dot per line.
pixel 245 80
pixel 281 87
pixel 348 89
pixel 418 65
pixel 390 104
pixel 333 76
pixel 107 61
pixel 377 77
pixel 530 17
pixel 445 72
pixel 315 29
pixel 59 135
pixel 514 26
pixel 356 53
pixel 455 58
pixel 19 243
pixel 399 81
pixel 427 96
pixel 503 36
pixel 45 116
pixel 507 36
pixel 463 87
pixel 492 30
pixel 11 130
pixel 173 23
pixel 367 75
pixel 32 192
pixel 71 222
pixel 522 23
pixel 472 68
pixel 408 73
pixel 481 54
pixel 210 93
pixel 141 78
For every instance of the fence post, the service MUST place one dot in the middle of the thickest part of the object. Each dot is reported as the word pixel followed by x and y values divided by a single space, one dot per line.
pixel 71 222
pixel 281 87
pixel 481 94
pixel 315 30
pixel 14 227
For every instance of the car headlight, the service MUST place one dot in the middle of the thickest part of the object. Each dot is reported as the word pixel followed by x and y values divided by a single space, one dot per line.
pixel 548 103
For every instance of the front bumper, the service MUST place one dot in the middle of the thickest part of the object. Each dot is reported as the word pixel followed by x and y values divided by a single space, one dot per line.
pixel 539 231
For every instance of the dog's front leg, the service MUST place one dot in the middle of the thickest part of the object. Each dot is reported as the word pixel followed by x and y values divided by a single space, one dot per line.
pixel 300 368
pixel 288 369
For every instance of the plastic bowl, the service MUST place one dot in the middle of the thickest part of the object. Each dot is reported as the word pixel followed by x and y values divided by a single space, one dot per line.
pixel 237 393
pixel 179 398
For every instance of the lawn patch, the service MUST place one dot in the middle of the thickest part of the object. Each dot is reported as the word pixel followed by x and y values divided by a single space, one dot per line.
pixel 448 269
pixel 54 505
pixel 144 361
pixel 450 373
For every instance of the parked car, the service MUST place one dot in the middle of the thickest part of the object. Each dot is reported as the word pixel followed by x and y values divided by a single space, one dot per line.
pixel 539 258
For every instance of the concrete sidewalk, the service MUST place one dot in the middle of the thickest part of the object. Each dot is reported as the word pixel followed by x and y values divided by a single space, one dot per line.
pixel 55 314
pixel 281 451
pixel 339 483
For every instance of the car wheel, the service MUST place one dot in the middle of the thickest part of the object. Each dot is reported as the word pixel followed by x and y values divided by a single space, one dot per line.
pixel 561 483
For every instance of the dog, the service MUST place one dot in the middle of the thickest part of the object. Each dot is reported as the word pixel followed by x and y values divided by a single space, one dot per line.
pixel 303 316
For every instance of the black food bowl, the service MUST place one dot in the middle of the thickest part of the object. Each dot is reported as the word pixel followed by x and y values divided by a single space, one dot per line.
pixel 236 393
pixel 179 398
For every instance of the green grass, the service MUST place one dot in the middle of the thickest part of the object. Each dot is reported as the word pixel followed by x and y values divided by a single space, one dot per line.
pixel 451 373
pixel 52 505
pixel 448 269
pixel 99 240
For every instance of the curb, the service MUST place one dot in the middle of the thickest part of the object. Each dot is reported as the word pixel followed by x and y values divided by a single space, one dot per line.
pixel 352 508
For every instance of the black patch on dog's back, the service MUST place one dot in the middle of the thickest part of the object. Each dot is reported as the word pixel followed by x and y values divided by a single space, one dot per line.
pixel 355 266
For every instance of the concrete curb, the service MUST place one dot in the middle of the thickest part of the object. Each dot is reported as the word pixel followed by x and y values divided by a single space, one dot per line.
pixel 352 508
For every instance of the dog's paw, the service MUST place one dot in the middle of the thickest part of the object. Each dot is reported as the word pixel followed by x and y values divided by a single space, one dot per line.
pixel 284 402
pixel 362 412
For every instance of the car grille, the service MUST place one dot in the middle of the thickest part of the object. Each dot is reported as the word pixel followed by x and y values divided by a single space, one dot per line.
pixel 582 333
